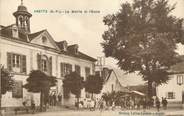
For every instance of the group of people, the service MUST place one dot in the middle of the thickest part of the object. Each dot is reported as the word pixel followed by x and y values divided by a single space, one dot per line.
pixel 55 99
pixel 52 100
pixel 125 103
pixel 32 105
pixel 164 103
pixel 102 104
pixel 87 104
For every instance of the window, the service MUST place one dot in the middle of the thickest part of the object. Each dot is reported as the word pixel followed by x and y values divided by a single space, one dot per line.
pixel 44 39
pixel 112 87
pixel 180 79
pixel 16 62
pixel 170 95
pixel 66 68
pixel 77 69
pixel 87 71
pixel 44 63
pixel 97 73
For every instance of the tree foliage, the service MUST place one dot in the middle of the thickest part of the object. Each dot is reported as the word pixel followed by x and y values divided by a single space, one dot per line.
pixel 142 37
pixel 39 82
pixel 6 81
pixel 73 82
pixel 94 84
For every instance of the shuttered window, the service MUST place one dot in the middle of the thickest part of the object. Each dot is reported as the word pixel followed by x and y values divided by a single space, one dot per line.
pixel 50 66
pixel 39 62
pixel 78 69
pixel 87 71
pixel 170 95
pixel 16 62
pixel 44 63
pixel 66 68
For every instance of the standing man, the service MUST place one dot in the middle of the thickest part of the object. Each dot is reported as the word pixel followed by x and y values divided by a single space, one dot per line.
pixel 55 99
pixel 164 103
pixel 158 104
pixel 33 107
pixel 59 99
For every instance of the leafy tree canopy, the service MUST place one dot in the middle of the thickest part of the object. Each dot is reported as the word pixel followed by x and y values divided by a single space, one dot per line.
pixel 142 37
pixel 6 81
pixel 74 83
pixel 94 84
pixel 38 81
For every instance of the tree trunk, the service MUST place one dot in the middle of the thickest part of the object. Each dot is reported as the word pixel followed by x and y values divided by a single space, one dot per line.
pixel 77 102
pixel 41 100
pixel 150 89
pixel 92 95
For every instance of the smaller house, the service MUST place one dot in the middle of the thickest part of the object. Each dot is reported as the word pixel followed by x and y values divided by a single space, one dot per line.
pixel 118 80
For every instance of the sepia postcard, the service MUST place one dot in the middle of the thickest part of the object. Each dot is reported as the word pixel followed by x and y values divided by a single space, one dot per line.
pixel 92 57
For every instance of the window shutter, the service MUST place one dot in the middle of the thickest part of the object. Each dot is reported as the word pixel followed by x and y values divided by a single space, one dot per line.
pixel 173 95
pixel 70 68
pixel 50 65
pixel 93 68
pixel 77 69
pixel 39 62
pixel 23 63
pixel 9 61
pixel 87 71
pixel 62 69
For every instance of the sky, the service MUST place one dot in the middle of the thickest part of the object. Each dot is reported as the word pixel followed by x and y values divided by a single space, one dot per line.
pixel 84 29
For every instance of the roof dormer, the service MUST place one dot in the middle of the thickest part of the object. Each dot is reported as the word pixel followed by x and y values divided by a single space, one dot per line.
pixel 63 45
pixel 73 48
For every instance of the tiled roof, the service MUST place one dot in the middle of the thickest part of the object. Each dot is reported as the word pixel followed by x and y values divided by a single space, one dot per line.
pixel 84 56
pixel 128 79
pixel 33 35
pixel 79 55
pixel 179 67
pixel 1 26
pixel 70 53
pixel 6 32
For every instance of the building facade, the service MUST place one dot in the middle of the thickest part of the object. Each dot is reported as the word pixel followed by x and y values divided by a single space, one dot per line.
pixel 173 90
pixel 22 51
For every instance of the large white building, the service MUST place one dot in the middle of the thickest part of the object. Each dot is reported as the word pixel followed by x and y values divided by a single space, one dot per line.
pixel 22 51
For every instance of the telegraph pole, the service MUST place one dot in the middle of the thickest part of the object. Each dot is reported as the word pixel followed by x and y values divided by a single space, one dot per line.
pixel 0 87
